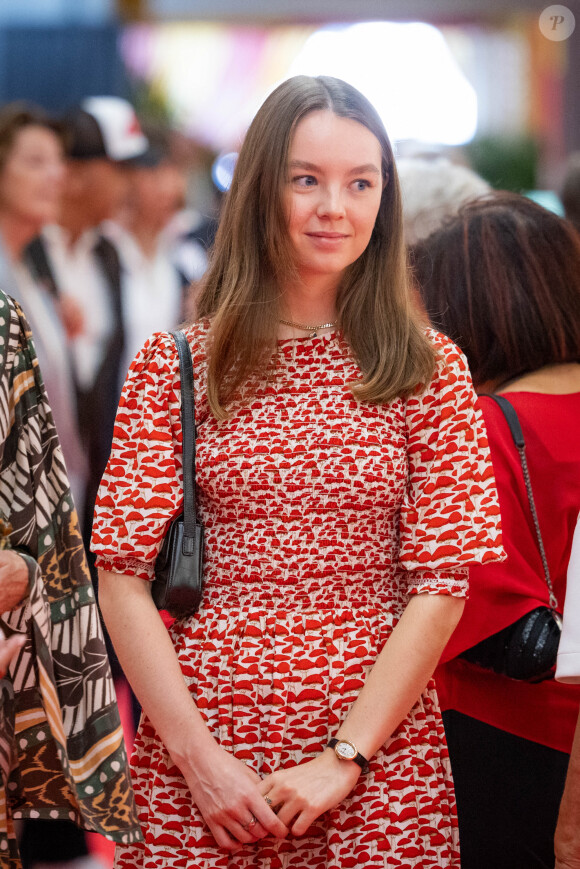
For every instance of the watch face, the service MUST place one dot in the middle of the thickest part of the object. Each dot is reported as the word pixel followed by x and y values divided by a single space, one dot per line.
pixel 345 750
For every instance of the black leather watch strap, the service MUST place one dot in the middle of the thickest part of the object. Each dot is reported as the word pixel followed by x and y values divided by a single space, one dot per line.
pixel 359 759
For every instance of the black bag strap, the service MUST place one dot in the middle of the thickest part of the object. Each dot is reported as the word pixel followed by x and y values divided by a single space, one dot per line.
pixel 188 435
pixel 515 428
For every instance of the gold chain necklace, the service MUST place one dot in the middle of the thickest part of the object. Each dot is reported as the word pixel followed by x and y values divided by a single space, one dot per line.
pixel 313 329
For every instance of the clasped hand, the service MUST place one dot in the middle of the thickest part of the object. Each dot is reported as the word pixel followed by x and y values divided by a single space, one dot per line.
pixel 569 857
pixel 302 793
pixel 238 806
pixel 13 579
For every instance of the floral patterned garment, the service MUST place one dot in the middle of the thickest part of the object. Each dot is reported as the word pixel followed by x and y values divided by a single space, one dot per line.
pixel 322 516
pixel 62 753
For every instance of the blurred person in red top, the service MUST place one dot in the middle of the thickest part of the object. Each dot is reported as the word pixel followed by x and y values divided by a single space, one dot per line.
pixel 502 279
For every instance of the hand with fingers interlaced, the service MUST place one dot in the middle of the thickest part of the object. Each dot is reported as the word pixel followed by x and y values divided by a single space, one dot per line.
pixel 300 794
pixel 228 795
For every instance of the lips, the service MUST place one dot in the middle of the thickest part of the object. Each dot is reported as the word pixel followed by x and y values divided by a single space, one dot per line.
pixel 327 241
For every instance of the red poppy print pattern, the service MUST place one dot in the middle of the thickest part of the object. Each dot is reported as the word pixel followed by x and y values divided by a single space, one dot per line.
pixel 322 516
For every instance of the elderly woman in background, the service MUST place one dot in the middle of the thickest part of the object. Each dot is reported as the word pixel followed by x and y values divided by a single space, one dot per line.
pixel 433 190
pixel 62 753
pixel 31 178
pixel 503 280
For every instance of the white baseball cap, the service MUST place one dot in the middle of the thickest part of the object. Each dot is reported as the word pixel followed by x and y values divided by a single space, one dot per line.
pixel 104 127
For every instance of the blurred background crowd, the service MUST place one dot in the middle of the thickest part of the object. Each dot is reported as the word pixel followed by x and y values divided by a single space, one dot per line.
pixel 120 121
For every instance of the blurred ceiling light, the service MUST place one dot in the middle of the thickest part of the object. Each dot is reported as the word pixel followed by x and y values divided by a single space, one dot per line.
pixel 222 170
pixel 406 70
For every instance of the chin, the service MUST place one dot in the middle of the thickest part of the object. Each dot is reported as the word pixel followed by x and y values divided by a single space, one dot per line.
pixel 45 215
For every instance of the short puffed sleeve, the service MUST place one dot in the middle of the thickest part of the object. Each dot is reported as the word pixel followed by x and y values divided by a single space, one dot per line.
pixel 450 516
pixel 141 489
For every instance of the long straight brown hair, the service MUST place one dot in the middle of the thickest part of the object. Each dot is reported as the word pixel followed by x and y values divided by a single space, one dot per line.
pixel 252 258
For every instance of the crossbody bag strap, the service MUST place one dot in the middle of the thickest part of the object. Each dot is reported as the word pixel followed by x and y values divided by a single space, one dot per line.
pixel 188 436
pixel 515 428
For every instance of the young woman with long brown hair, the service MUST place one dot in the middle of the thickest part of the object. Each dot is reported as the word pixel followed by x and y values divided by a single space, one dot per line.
pixel 344 485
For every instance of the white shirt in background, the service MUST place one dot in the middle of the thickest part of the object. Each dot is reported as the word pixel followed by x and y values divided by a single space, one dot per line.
pixel 51 348
pixel 78 273
pixel 151 290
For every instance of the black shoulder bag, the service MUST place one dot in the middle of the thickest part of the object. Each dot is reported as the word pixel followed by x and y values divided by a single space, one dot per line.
pixel 527 649
pixel 178 583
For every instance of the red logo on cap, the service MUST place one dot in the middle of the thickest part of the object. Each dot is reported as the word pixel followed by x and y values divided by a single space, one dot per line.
pixel 134 129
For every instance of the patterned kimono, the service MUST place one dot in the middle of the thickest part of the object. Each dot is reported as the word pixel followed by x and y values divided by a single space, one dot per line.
pixel 62 753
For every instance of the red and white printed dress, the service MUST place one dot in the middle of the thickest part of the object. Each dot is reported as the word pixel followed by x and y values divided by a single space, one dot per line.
pixel 322 516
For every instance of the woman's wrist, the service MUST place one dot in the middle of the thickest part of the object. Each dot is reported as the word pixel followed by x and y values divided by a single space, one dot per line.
pixel 347 751
pixel 193 749
pixel 344 770
pixel 352 730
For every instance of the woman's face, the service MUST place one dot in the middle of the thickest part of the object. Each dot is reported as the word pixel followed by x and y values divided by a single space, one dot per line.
pixel 32 178
pixel 332 195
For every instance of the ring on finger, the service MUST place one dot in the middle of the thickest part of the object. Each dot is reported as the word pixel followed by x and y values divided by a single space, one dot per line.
pixel 247 827
pixel 274 808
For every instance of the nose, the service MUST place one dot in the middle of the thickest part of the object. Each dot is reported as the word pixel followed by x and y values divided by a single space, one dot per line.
pixel 331 203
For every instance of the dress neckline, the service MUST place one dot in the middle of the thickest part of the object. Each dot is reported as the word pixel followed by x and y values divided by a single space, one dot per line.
pixel 308 339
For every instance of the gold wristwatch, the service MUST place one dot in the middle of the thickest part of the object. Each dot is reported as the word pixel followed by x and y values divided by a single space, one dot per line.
pixel 345 750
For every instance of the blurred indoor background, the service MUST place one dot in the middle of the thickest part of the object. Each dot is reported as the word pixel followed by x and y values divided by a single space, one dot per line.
pixel 477 80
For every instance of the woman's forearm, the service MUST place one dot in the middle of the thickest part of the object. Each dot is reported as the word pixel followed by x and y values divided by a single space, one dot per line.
pixel 149 661
pixel 401 671
pixel 392 687
pixel 224 789
pixel 567 841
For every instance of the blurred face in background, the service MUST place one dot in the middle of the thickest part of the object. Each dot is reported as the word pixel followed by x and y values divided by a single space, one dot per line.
pixel 32 177
pixel 98 187
pixel 157 193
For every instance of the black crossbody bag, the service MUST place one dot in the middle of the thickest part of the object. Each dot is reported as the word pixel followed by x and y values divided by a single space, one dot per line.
pixel 178 583
pixel 527 649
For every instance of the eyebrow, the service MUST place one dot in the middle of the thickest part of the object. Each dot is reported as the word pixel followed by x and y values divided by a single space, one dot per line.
pixel 357 170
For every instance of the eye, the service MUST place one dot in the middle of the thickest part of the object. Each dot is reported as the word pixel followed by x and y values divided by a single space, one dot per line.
pixel 304 181
pixel 33 161
pixel 361 184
